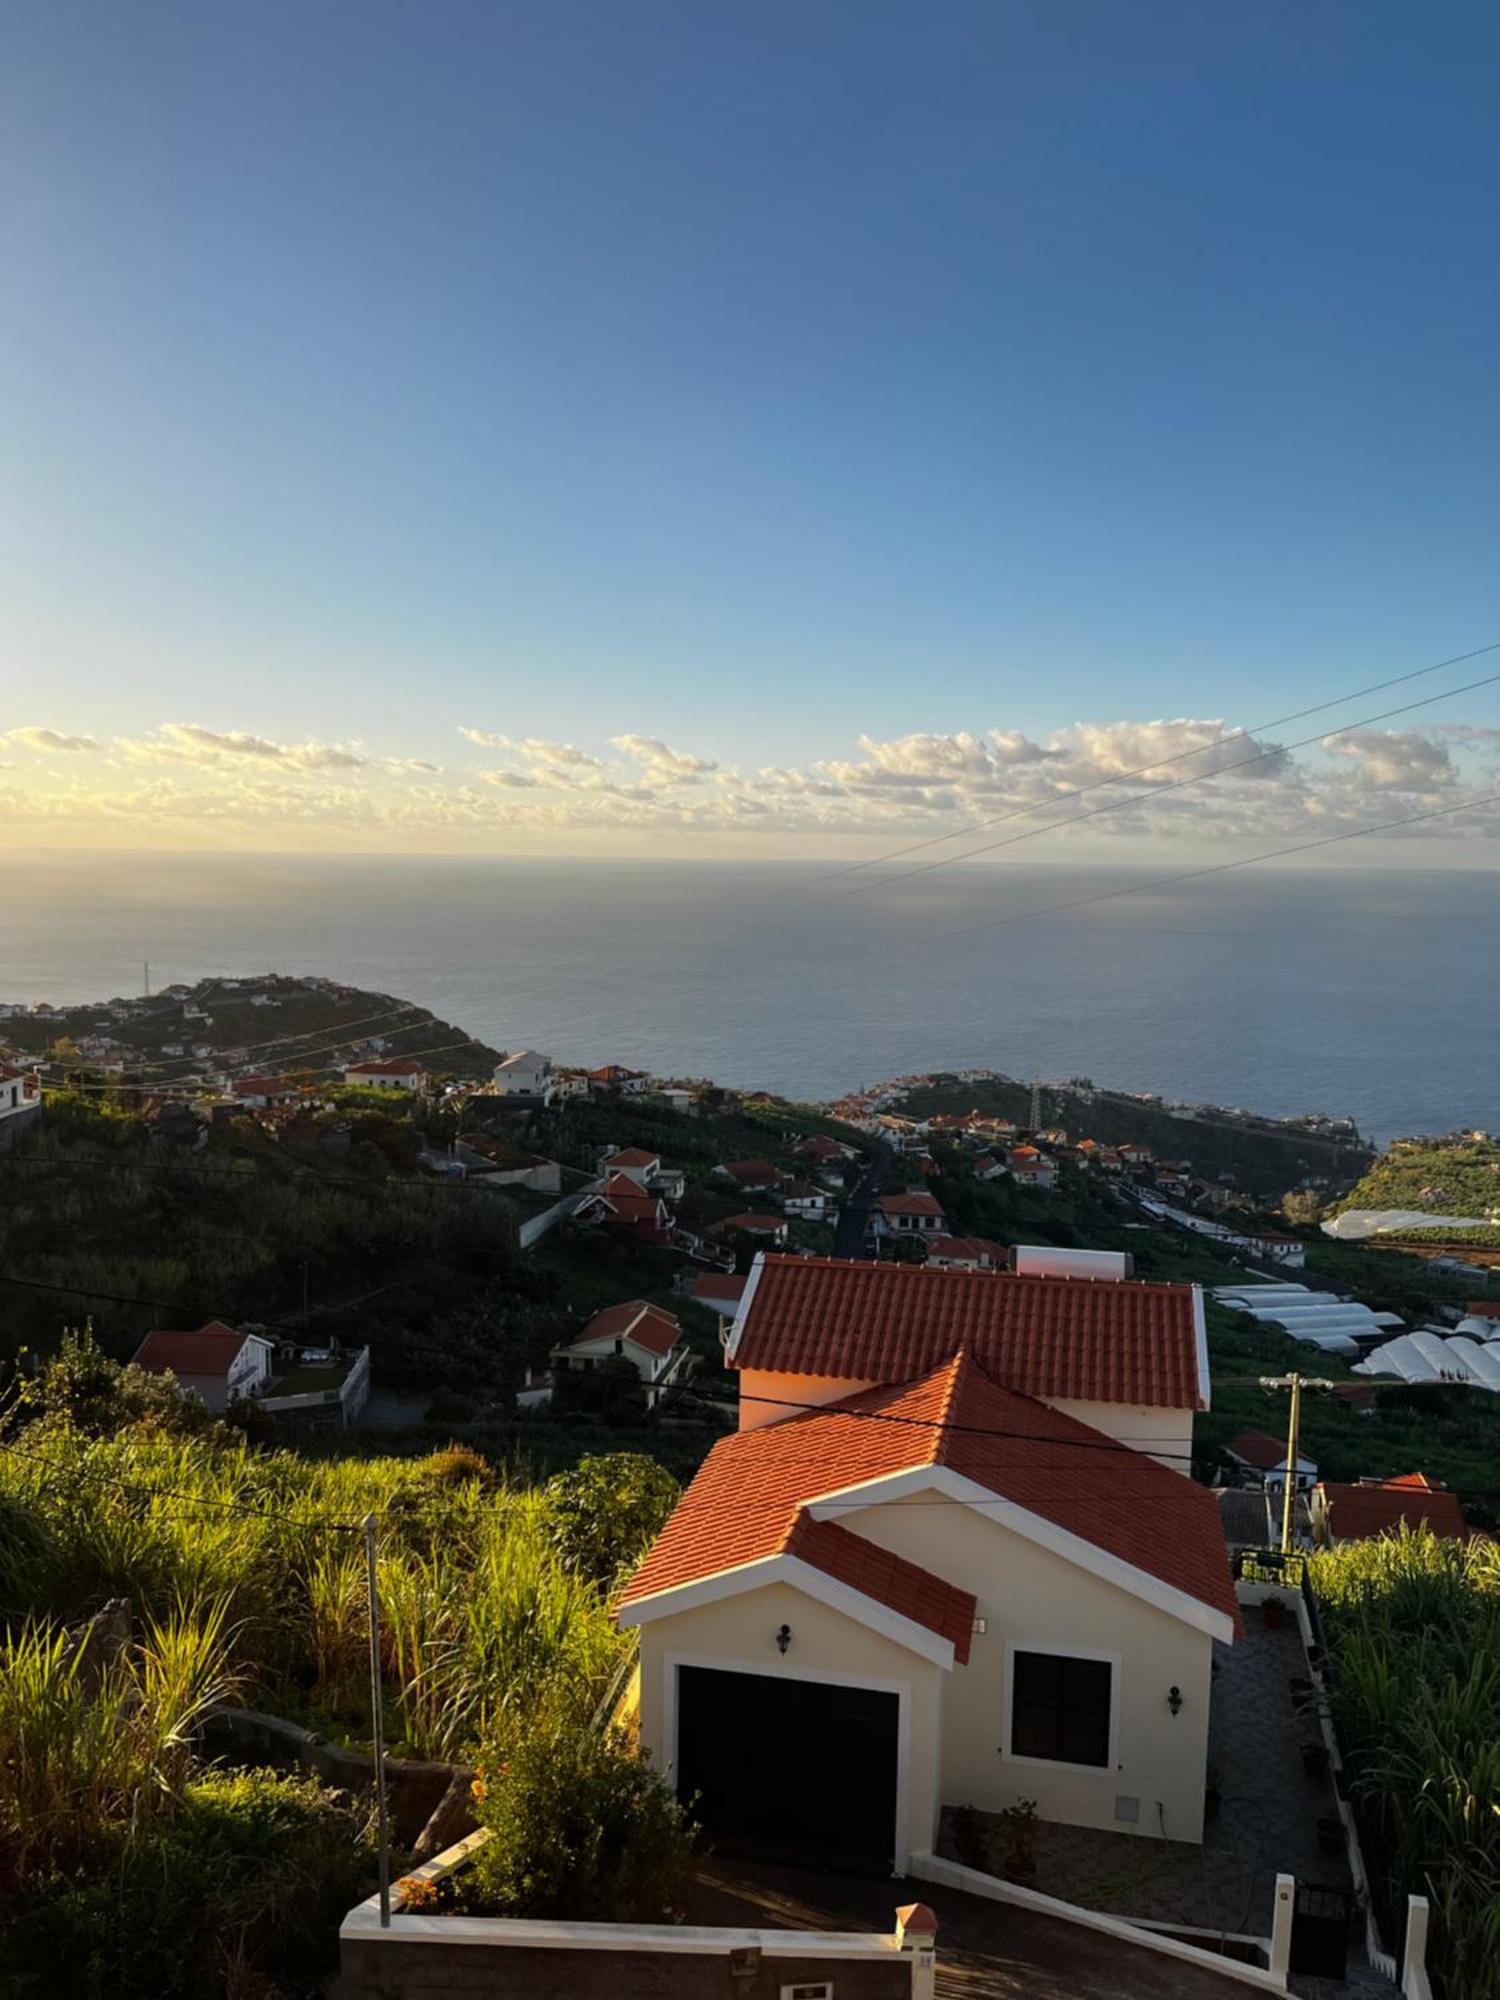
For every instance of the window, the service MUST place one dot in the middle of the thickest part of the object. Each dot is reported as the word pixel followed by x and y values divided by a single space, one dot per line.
pixel 1060 1708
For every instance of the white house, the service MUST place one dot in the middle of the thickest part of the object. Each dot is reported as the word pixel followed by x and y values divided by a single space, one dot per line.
pixel 913 1214
pixel 965 1253
pixel 974 1599
pixel 637 1332
pixel 20 1100
pixel 387 1073
pixel 218 1362
pixel 1261 1460
pixel 526 1074
pixel 804 1201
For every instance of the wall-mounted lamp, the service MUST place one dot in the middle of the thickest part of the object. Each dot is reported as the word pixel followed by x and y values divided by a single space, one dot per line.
pixel 1174 1700
pixel 784 1639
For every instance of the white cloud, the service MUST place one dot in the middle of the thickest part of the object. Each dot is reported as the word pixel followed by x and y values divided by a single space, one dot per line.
pixel 661 757
pixel 48 742
pixel 190 743
pixel 1399 760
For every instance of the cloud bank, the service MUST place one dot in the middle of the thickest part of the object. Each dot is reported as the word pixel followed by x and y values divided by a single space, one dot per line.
pixel 633 788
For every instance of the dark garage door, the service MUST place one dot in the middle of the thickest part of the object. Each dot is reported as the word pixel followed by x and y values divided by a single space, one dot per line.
pixel 790 1768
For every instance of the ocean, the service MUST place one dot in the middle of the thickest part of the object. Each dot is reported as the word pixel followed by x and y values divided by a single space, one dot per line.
pixel 1373 995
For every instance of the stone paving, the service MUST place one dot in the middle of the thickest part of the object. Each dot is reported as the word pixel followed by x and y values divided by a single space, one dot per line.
pixel 1266 1823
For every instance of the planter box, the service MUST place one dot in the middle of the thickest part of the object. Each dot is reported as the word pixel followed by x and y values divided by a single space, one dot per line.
pixel 430 1957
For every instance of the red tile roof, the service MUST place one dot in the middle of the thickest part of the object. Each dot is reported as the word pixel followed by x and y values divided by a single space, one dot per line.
pixel 259 1086
pixel 638 1320
pixel 971 1248
pixel 753 1173
pixel 212 1350
pixel 633 1156
pixel 909 1204
pixel 746 1501
pixel 629 1202
pixel 386 1066
pixel 1356 1513
pixel 1256 1448
pixel 1092 1339
pixel 757 1223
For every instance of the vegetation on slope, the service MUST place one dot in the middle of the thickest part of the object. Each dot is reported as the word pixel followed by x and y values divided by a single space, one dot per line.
pixel 1414 1632
pixel 1459 1177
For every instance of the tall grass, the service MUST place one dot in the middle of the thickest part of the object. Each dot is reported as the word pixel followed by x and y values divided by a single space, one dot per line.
pixel 481 1618
pixel 1414 1626
pixel 87 1746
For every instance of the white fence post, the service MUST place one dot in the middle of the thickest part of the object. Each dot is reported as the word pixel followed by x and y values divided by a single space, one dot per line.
pixel 1281 1926
pixel 1414 1981
pixel 916 1934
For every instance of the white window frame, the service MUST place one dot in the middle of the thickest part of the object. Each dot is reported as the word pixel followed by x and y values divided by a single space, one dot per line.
pixel 902 1690
pixel 1060 1649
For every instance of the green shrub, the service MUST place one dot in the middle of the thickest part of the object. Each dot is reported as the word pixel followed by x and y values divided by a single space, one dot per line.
pixel 606 1512
pixel 239 1891
pixel 580 1827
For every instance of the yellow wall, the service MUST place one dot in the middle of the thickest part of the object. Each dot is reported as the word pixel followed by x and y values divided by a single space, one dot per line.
pixel 1166 1435
pixel 1029 1596
pixel 784 1389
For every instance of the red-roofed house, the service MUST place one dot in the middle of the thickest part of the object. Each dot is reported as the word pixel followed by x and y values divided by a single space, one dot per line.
pixel 619 1204
pixel 1130 1359
pixel 218 1362
pixel 1028 1167
pixel 1261 1460
pixel 752 1176
pixel 637 1332
pixel 1370 1507
pixel 803 1200
pixel 753 1223
pixel 965 1253
pixel 387 1073
pixel 909 1215
pixel 720 1291
pixel 939 1591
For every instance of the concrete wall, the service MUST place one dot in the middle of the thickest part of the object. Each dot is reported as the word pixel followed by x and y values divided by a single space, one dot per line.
pixel 1031 1598
pixel 393 1968
pixel 739 1633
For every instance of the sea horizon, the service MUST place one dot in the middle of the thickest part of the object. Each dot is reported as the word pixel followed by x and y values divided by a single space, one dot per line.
pixel 1276 991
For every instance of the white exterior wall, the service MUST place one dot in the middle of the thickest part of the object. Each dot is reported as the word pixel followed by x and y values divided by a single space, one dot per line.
pixel 739 1634
pixel 1034 1599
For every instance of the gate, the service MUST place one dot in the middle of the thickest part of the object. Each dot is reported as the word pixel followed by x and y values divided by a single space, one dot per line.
pixel 1320 1930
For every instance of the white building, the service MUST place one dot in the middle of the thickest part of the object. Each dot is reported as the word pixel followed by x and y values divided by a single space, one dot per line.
pixel 526 1074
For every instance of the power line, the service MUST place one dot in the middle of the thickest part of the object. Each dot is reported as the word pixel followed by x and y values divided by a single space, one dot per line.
pixel 1143 770
pixel 1160 791
pixel 1220 868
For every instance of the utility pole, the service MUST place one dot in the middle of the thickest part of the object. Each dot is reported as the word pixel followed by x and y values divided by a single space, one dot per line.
pixel 1296 1383
pixel 1036 1105
pixel 377 1724
pixel 146 980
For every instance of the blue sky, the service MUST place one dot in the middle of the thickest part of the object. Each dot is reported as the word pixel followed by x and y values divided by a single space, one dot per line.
pixel 753 380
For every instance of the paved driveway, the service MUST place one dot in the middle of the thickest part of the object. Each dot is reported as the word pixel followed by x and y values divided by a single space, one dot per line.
pixel 986 1951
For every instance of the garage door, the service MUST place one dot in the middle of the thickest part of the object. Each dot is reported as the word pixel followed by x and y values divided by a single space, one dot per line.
pixel 794 1769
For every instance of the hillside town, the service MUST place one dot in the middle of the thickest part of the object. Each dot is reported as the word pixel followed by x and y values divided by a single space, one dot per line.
pixel 1002 1476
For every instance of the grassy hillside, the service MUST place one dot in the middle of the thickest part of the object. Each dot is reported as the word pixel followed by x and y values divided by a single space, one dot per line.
pixel 1461 1178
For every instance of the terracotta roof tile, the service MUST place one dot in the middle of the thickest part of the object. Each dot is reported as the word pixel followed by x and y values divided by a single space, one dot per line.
pixel 209 1351
pixel 1355 1513
pixel 909 1204
pixel 1259 1449
pixel 746 1501
pixel 1090 1339
pixel 633 1156
pixel 638 1320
